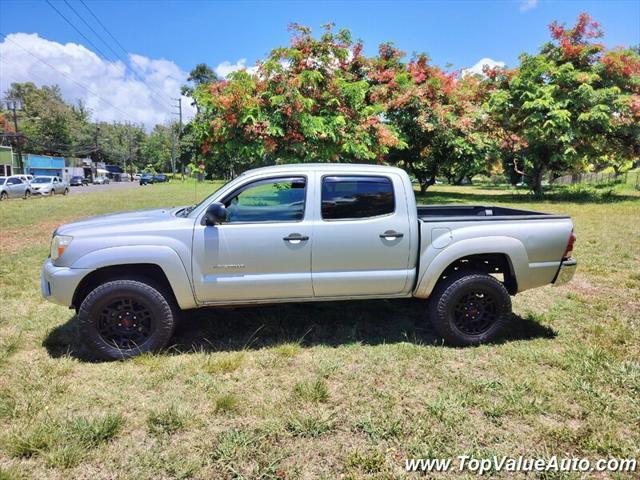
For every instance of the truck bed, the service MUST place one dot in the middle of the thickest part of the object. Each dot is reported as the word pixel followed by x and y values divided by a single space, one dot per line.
pixel 463 213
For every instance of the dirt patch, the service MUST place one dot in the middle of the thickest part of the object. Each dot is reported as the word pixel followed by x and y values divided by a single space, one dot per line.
pixel 15 239
pixel 582 286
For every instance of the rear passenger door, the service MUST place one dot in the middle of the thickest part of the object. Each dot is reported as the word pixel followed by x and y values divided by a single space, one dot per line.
pixel 361 239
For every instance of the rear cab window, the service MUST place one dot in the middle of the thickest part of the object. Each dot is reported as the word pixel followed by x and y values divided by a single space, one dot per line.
pixel 348 197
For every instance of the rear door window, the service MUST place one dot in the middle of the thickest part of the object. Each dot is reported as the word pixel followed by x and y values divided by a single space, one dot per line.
pixel 353 197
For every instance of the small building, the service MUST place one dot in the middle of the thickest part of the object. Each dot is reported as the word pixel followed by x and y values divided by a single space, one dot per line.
pixel 44 165
pixel 8 162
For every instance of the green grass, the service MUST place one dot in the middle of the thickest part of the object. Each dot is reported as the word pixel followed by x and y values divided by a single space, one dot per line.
pixel 364 387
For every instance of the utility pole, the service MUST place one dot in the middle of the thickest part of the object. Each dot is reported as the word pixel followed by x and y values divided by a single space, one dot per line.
pixel 130 141
pixel 179 134
pixel 173 151
pixel 12 106
pixel 96 147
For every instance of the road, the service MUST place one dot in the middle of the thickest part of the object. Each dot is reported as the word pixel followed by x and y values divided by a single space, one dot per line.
pixel 101 188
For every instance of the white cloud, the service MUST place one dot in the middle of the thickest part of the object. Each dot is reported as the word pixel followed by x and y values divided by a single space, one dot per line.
pixel 528 5
pixel 479 66
pixel 225 68
pixel 111 91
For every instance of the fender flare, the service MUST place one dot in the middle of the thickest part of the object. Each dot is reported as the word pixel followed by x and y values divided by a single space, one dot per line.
pixel 509 246
pixel 164 257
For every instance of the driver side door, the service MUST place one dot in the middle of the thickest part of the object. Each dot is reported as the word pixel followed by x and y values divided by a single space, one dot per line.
pixel 263 250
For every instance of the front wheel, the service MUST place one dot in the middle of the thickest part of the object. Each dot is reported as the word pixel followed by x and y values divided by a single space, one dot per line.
pixel 124 318
pixel 469 308
pixel 27 194
pixel 3 196
pixel 66 191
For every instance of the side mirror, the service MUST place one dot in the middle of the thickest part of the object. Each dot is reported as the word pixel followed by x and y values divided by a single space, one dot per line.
pixel 215 214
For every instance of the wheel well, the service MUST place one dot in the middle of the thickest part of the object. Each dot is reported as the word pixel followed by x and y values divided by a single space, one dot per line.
pixel 495 264
pixel 146 272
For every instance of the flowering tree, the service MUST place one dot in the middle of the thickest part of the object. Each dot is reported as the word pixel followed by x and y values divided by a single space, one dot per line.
pixel 306 102
pixel 438 114
pixel 570 105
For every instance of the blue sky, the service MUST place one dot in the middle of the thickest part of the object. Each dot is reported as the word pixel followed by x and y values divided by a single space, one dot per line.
pixel 188 32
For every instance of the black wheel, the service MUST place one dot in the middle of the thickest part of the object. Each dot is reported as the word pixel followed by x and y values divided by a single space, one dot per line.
pixel 66 190
pixel 4 196
pixel 27 194
pixel 53 192
pixel 124 318
pixel 469 308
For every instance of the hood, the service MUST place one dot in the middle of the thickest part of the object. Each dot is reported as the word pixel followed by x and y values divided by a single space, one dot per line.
pixel 134 221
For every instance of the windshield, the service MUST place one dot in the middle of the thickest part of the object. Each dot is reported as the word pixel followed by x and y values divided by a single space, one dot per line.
pixel 42 180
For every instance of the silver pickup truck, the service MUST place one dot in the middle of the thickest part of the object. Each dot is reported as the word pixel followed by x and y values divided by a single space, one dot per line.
pixel 295 233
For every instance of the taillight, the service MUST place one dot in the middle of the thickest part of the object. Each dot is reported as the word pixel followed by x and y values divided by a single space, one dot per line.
pixel 569 249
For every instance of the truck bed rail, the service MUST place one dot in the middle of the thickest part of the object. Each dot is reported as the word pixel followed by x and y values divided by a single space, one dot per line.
pixel 463 213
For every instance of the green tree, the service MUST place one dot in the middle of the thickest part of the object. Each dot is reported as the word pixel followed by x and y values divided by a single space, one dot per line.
pixel 157 147
pixel 567 103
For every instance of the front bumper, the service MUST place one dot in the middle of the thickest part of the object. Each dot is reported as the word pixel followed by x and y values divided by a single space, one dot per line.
pixel 58 284
pixel 566 272
pixel 40 192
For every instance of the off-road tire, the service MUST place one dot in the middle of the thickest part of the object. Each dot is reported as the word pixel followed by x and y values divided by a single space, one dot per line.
pixel 449 295
pixel 159 304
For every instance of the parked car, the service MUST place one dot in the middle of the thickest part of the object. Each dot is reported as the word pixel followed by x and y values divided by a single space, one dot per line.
pixel 160 178
pixel 136 177
pixel 293 233
pixel 49 186
pixel 101 180
pixel 24 178
pixel 14 187
pixel 147 179
pixel 78 181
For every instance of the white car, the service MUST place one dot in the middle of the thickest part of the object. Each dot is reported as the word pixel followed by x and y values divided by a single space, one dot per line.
pixel 24 178
pixel 101 180
pixel 49 186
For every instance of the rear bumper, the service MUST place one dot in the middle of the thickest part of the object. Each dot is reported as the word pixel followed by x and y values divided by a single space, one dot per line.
pixel 566 272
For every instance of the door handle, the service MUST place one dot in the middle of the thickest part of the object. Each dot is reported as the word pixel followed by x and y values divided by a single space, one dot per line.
pixel 391 235
pixel 295 238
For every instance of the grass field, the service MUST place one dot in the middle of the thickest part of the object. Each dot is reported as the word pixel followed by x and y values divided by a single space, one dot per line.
pixel 344 390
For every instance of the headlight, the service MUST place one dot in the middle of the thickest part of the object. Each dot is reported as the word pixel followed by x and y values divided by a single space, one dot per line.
pixel 59 244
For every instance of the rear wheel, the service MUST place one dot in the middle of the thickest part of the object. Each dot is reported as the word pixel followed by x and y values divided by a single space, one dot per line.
pixel 469 308
pixel 3 196
pixel 66 190
pixel 124 318
pixel 27 194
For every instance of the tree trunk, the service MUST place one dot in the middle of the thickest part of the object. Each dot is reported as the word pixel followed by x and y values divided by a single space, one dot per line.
pixel 536 182
pixel 425 183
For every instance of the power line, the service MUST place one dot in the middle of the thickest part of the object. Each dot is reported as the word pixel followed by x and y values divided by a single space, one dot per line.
pixel 78 30
pixel 117 43
pixel 91 28
pixel 104 27
pixel 65 75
